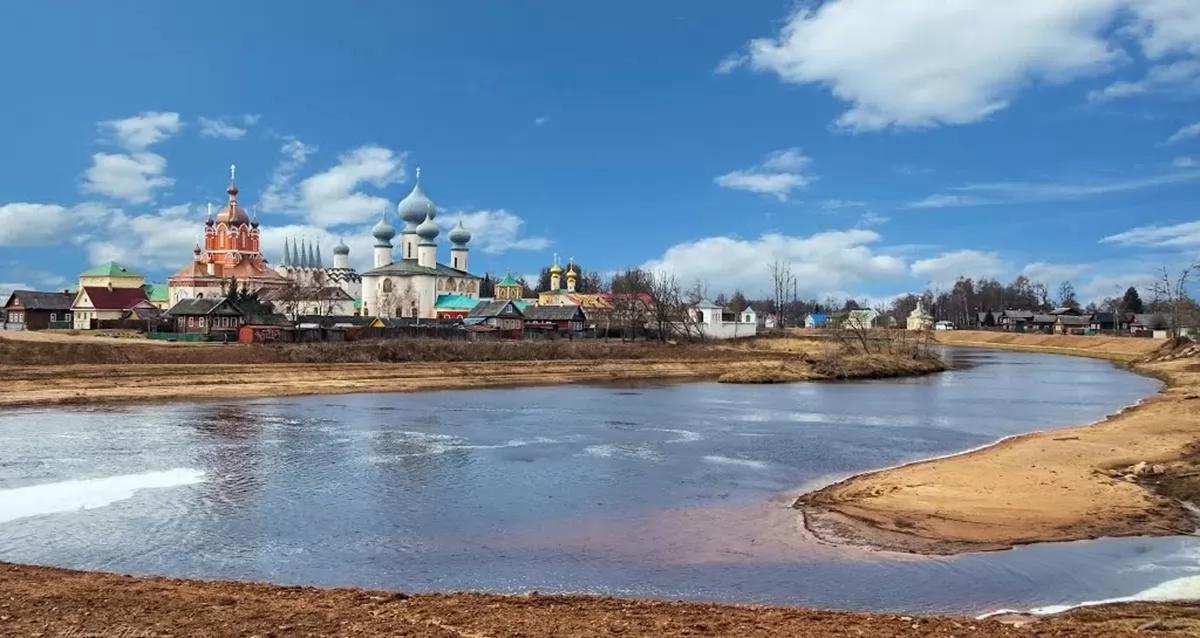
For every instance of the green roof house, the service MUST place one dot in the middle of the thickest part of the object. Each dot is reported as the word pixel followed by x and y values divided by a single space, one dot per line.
pixel 111 275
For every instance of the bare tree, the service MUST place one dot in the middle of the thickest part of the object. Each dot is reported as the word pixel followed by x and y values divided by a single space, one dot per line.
pixel 1172 292
pixel 783 285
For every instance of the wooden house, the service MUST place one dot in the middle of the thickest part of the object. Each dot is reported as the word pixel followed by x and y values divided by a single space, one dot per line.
pixel 1066 324
pixel 31 310
pixel 216 317
pixel 106 303
pixel 503 316
pixel 1110 322
pixel 554 320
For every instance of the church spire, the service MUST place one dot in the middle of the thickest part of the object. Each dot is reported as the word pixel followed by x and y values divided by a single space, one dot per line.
pixel 320 261
pixel 287 254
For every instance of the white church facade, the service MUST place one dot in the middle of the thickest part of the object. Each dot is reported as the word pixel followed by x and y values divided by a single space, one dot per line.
pixel 410 285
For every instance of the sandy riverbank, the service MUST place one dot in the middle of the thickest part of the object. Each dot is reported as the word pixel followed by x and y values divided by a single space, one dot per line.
pixel 41 601
pixel 1066 484
pixel 58 370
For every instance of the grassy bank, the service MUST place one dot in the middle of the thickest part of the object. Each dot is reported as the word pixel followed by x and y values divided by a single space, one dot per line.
pixel 54 602
pixel 1067 484
pixel 59 370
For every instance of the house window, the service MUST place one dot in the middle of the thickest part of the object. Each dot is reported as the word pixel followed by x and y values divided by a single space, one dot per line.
pixel 191 322
pixel 200 322
pixel 53 316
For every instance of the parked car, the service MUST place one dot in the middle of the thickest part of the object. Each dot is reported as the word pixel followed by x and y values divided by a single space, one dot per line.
pixel 944 325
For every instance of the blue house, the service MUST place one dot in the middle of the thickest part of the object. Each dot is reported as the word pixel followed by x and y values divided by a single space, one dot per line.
pixel 815 321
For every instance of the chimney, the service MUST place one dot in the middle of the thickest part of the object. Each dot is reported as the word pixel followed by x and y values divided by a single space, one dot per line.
pixel 109 286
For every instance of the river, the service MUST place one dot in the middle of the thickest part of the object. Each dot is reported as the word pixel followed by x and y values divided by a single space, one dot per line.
pixel 679 491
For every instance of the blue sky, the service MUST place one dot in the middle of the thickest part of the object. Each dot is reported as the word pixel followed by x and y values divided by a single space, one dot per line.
pixel 880 146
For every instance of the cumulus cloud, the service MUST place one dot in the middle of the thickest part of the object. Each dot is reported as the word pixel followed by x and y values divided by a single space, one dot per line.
pixel 1183 235
pixel 335 197
pixel 494 231
pixel 780 173
pixel 943 270
pixel 142 131
pixel 823 263
pixel 159 239
pixel 1184 163
pixel 929 62
pixel 137 174
pixel 25 224
pixel 538 121
pixel 129 177
pixel 227 128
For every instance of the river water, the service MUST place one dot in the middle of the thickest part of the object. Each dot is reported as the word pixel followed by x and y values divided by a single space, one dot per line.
pixel 676 492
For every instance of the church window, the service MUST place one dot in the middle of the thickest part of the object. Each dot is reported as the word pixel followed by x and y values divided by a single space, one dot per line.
pixel 409 247
pixel 456 263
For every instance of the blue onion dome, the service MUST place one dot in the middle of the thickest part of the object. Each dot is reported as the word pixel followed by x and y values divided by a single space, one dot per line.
pixel 383 231
pixel 414 208
pixel 459 234
pixel 428 230
pixel 341 248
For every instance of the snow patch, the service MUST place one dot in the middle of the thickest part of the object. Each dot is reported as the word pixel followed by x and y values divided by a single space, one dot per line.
pixel 83 494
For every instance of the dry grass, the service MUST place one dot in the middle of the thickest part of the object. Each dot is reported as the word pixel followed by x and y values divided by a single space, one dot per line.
pixel 1098 346
pixel 767 372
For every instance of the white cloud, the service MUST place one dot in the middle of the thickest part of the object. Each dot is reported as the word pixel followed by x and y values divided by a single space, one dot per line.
pixel 838 204
pixel 822 263
pixel 132 177
pixel 281 194
pixel 930 62
pixel 1187 132
pixel 1184 163
pixel 731 63
pixel 1053 274
pixel 538 121
pixel 142 131
pixel 945 201
pixel 334 198
pixel 494 231
pixel 780 173
pixel 871 218
pixel 1026 192
pixel 224 128
pixel 1100 287
pixel 161 239
pixel 24 224
pixel 1184 235
pixel 1180 75
pixel 943 270
pixel 1166 27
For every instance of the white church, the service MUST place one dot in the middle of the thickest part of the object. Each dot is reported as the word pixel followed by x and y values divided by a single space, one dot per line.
pixel 410 286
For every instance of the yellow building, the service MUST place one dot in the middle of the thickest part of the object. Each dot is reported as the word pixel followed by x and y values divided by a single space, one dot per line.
pixel 111 275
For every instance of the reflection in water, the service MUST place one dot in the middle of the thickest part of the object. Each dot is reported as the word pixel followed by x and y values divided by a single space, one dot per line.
pixel 230 454
pixel 678 491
